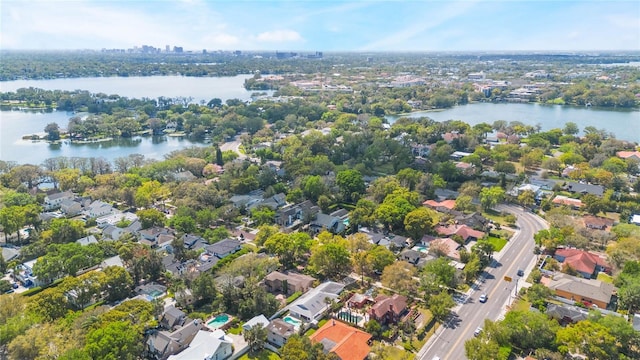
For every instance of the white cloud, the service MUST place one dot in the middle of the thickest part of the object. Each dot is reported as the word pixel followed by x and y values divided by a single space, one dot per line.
pixel 220 41
pixel 279 36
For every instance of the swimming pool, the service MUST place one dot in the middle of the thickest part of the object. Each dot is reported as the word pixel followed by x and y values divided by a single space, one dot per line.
pixel 350 317
pixel 293 321
pixel 218 321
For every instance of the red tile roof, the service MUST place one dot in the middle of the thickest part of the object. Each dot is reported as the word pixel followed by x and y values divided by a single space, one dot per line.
pixel 580 260
pixel 563 200
pixel 628 154
pixel 597 222
pixel 462 230
pixel 350 343
pixel 449 204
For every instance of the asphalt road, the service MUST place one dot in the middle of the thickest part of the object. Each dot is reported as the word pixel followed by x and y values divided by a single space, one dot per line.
pixel 448 341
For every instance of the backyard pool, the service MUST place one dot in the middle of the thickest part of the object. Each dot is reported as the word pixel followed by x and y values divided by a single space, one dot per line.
pixel 350 317
pixel 293 321
pixel 421 248
pixel 218 321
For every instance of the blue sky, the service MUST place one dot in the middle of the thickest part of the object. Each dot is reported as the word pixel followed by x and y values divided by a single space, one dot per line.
pixel 322 25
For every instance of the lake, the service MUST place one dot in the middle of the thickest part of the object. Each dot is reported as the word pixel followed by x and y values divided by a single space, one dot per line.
pixel 624 124
pixel 14 124
pixel 152 87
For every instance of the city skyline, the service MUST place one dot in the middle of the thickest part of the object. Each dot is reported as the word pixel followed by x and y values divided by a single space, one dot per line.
pixel 323 25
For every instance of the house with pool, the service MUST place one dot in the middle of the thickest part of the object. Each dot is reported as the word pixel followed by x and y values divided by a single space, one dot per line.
pixel 312 306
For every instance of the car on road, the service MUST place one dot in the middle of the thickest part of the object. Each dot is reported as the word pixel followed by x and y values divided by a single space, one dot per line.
pixel 483 298
pixel 520 272
pixel 478 331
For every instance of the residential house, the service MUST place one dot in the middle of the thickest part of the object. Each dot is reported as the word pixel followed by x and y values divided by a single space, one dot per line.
pixel 535 189
pixel 567 201
pixel 388 309
pixel 629 155
pixel 580 188
pixel 464 231
pixel 291 216
pixel 181 176
pixel 287 283
pixel 343 340
pixel 53 201
pixel 566 314
pixel 475 220
pixel 459 155
pixel 279 331
pixel 115 217
pixel 390 241
pixel 193 242
pixel 330 223
pixel 87 240
pixel 70 207
pixel 172 317
pixel 151 236
pixel 445 247
pixel 162 344
pixel 467 169
pixel 112 261
pixel 207 345
pixel 587 264
pixel 112 232
pixel 9 254
pixel 596 222
pixel 98 209
pixel 586 291
pixel 311 306
pixel 544 184
pixel 273 202
pixel 444 206
pixel 450 136
pixel 259 320
pixel 246 200
pixel 223 248
pixel 358 301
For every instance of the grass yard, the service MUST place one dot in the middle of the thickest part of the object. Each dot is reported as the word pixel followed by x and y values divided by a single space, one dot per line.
pixel 262 355
pixel 605 278
pixel 497 243
pixel 390 352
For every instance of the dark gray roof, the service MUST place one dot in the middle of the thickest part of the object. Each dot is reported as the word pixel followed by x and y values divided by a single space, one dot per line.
pixel 566 312
pixel 223 246
pixel 576 187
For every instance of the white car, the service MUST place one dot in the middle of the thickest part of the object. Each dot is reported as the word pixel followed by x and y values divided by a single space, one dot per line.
pixel 483 298
pixel 478 331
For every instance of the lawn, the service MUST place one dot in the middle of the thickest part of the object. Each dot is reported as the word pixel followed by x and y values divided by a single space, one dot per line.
pixel 497 243
pixel 262 355
pixel 605 278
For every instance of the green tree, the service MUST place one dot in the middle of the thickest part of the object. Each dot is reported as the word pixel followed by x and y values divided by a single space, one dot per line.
pixel 263 215
pixel 445 274
pixel 380 257
pixel 290 248
pixel 589 338
pixel 418 222
pixel 53 131
pixel 150 218
pixel 490 197
pixel 255 337
pixel 526 198
pixel 440 305
pixel 530 330
pixel 115 341
pixel 330 258
pixel 312 187
pixel 350 183
pixel 399 276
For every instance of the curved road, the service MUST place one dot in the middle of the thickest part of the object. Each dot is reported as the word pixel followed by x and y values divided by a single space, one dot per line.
pixel 448 341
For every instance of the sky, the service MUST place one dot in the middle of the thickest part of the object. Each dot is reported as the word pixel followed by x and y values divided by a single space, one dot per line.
pixel 327 25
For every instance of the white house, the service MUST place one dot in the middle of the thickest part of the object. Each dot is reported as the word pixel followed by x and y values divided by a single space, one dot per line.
pixel 635 219
pixel 53 201
pixel 207 346
pixel 260 320
pixel 311 306
pixel 99 208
